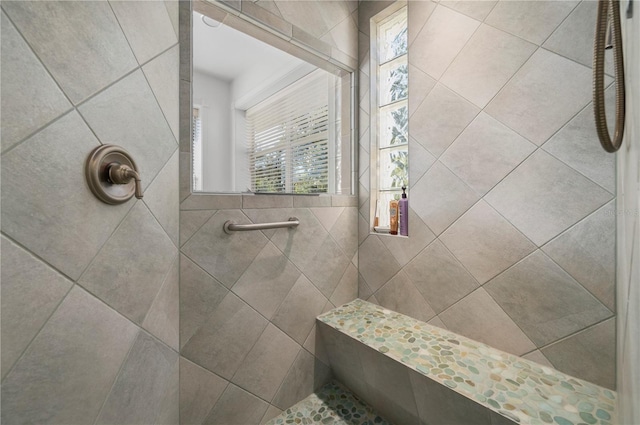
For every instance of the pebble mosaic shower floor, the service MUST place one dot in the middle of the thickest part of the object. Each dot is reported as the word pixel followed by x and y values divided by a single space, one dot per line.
pixel 519 389
pixel 332 404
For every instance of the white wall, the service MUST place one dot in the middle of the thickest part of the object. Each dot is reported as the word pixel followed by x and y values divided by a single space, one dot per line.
pixel 214 97
pixel 628 270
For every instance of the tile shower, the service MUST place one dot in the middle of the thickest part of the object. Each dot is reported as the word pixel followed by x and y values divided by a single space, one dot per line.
pixel 146 311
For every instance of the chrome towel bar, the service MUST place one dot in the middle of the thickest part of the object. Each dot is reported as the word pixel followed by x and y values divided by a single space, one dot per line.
pixel 229 226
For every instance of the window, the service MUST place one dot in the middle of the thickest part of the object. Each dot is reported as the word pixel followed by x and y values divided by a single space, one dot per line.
pixel 196 149
pixel 290 138
pixel 391 114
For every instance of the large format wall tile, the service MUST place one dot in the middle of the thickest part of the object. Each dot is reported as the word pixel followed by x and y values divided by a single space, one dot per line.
pixel 27 89
pixel 162 196
pixel 485 153
pixel 532 20
pixel 376 263
pixel 441 278
pixel 141 129
pixel 199 392
pixel 475 9
pixel 67 372
pixel 404 250
pixel 543 95
pixel 56 217
pixel 543 197
pixel 142 384
pixel 129 270
pixel 31 291
pixel 164 316
pixel 401 295
pixel 479 317
pixel 485 243
pixel 440 40
pixel 147 26
pixel 538 284
pixel 306 375
pixel 81 44
pixel 486 63
pixel 236 406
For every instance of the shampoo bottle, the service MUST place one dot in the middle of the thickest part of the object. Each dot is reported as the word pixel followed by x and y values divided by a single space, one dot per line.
pixel 403 209
pixel 393 217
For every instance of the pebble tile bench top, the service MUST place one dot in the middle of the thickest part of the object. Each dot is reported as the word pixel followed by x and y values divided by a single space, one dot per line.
pixel 518 389
pixel 332 404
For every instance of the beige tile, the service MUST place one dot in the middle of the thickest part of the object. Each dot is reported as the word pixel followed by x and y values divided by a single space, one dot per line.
pixel 30 97
pixel 440 197
pixel 538 284
pixel 421 85
pixel 233 322
pixel 543 95
pixel 271 413
pixel 440 119
pixel 486 63
pixel 479 317
pixel 587 252
pixel 405 249
pixel 200 295
pixel 440 278
pixel 199 392
pixel 265 367
pixel 326 266
pixel 162 198
pixel 304 15
pixel 129 270
pixel 440 40
pixel 587 354
pixel 485 243
pixel 162 74
pixel 138 392
pixel 297 313
pixel 63 35
pixel 191 222
pixel 420 160
pixel 418 12
pixel 401 295
pixel 485 153
pixel 267 201
pixel 66 373
pixel 31 291
pixel 267 281
pixel 538 357
pixel 345 231
pixel 236 406
pixel 327 216
pixel 543 197
pixel 270 17
pixel 147 26
pixel 476 9
pixel 164 316
pixel 210 201
pixel 343 353
pixel 532 20
pixel 347 289
pixel 376 263
pixel 40 212
pixel 306 375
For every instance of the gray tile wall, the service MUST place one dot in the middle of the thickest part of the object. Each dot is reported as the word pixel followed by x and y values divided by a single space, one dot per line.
pixel 248 300
pixel 512 225
pixel 89 290
pixel 628 242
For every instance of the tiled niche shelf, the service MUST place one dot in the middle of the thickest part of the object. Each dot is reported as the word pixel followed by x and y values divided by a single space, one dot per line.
pixel 451 378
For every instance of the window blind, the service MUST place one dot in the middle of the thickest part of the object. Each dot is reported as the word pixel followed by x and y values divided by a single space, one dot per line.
pixel 196 149
pixel 288 138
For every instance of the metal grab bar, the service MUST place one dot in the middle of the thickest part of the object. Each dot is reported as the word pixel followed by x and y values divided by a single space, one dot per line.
pixel 229 226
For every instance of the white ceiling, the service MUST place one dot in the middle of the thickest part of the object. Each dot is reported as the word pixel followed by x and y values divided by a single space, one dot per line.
pixel 227 53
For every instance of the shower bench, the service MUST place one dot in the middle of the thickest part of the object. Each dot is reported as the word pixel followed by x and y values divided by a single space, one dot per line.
pixel 412 373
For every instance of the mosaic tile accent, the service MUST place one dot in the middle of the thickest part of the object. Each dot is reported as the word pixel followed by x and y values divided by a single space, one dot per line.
pixel 521 390
pixel 332 404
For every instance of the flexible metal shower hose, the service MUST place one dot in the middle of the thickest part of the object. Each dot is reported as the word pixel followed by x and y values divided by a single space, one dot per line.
pixel 608 9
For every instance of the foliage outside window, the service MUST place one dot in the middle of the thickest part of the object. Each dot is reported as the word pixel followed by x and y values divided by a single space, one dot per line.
pixel 392 111
pixel 288 138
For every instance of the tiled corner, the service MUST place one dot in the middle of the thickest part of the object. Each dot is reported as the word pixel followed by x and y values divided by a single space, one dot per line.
pixel 345 231
pixel 128 272
pixel 532 20
pixel 199 392
pixel 478 315
pixel 440 118
pixel 164 315
pixel 147 26
pixel 139 391
pixel 31 291
pixel 68 216
pixel 405 249
pixel 440 277
pixel 63 35
pixel 486 63
pixel 420 160
pixel 485 153
pixel 160 73
pixel 400 294
pixel 443 198
pixel 421 84
pixel 475 9
pixel 543 197
pixel 543 95
pixel 567 306
pixel 347 288
pixel 142 129
pixel 440 40
pixel 376 263
pixel 267 364
pixel 82 346
pixel 587 252
pixel 27 89
pixel 485 243
pixel 236 406
pixel 162 198
pixel 418 13
pixel 306 375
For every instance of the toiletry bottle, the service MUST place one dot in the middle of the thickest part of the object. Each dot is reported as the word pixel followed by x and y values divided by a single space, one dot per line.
pixel 403 210
pixel 393 217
